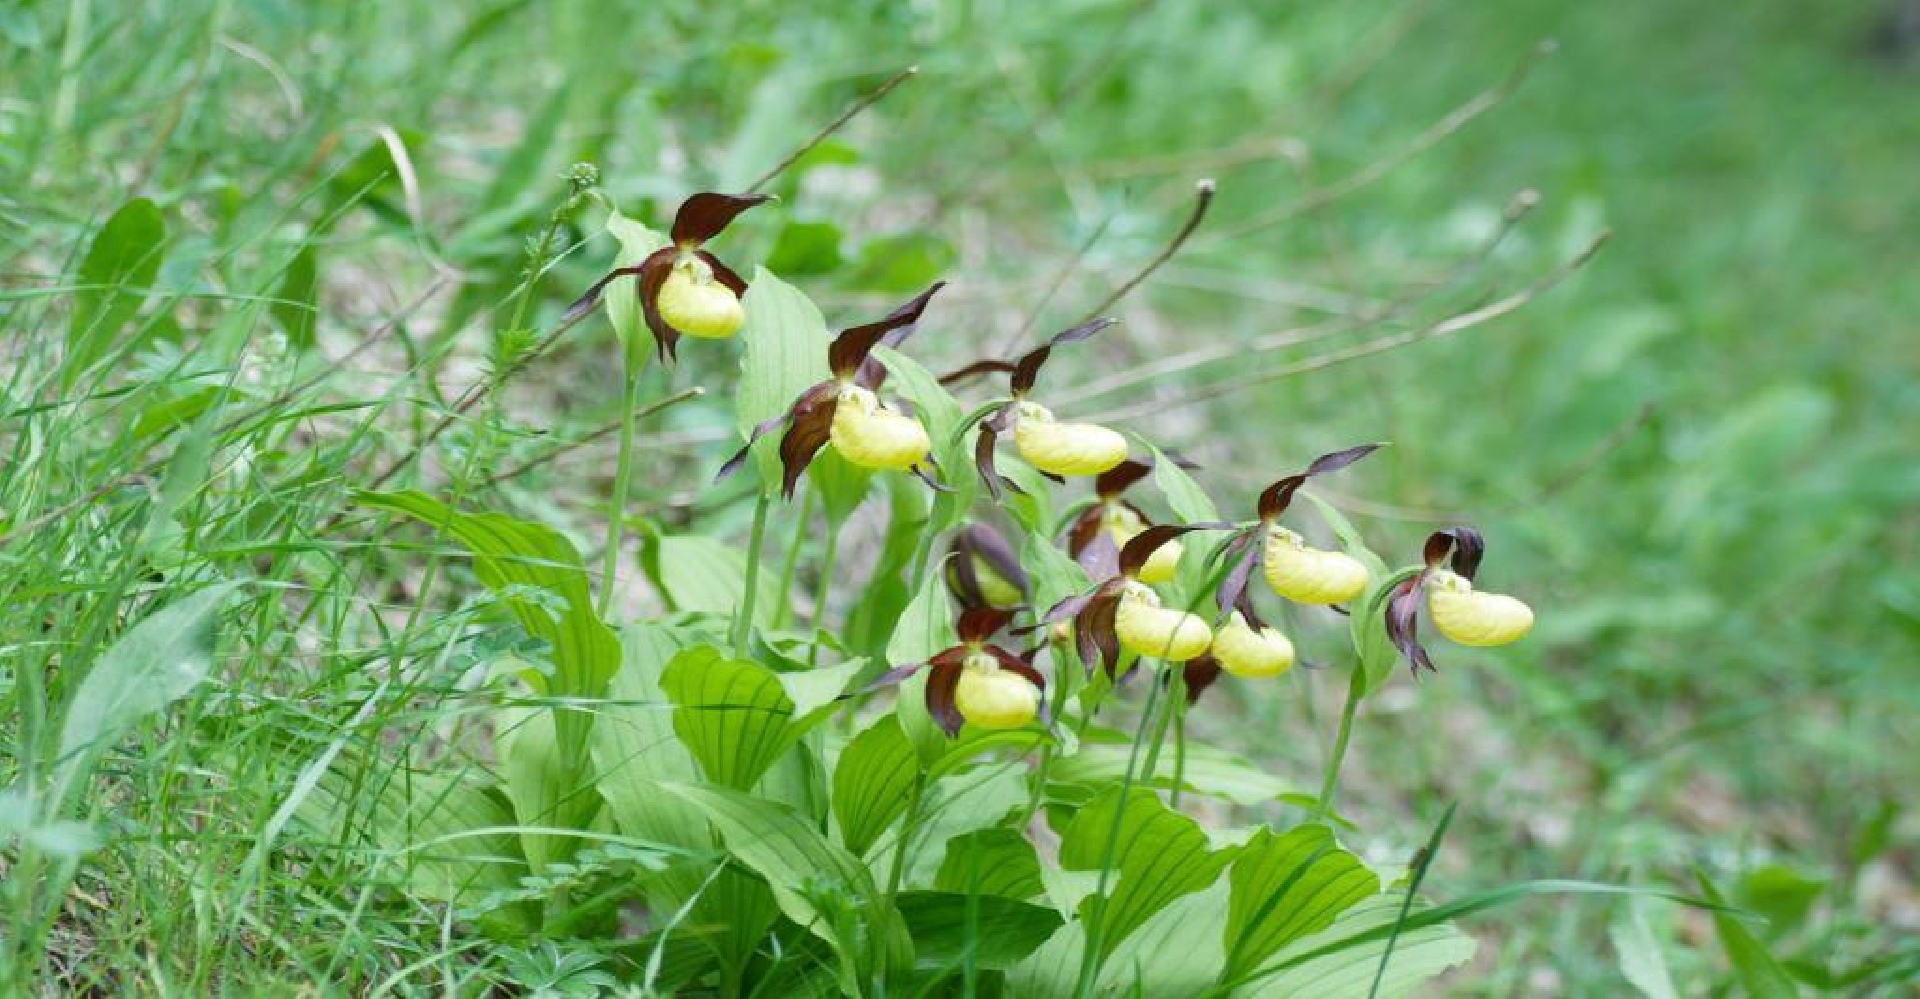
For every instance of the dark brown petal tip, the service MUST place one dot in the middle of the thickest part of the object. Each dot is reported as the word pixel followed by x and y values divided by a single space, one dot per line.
pixel 851 347
pixel 1276 498
pixel 812 425
pixel 1465 545
pixel 653 276
pixel 1027 369
pixel 977 624
pixel 1403 624
pixel 704 215
pixel 887 679
pixel 1121 477
pixel 587 302
pixel 1144 544
pixel 942 681
pixel 1094 635
pixel 1198 675
pixel 1247 550
pixel 975 370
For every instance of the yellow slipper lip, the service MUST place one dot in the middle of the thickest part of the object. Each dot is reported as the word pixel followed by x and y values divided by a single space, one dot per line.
pixel 1066 449
pixel 1244 652
pixel 1147 629
pixel 870 435
pixel 691 301
pixel 1474 617
pixel 1310 575
pixel 992 698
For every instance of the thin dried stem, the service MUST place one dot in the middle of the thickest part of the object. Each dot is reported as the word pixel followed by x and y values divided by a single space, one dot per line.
pixel 602 431
pixel 872 98
pixel 1203 197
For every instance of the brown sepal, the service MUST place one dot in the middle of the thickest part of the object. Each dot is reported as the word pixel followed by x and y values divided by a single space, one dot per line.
pixel 1099 556
pixel 1027 369
pixel 1249 549
pixel 984 445
pixel 942 679
pixel 1275 499
pixel 1121 477
pixel 1143 545
pixel 653 276
pixel 724 274
pixel 1403 624
pixel 977 624
pixel 982 542
pixel 848 354
pixel 706 214
pixel 1465 545
pixel 811 427
pixel 1199 674
pixel 975 370
pixel 1094 636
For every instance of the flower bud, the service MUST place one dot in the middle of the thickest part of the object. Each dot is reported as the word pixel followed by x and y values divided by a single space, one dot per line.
pixel 1309 575
pixel 1244 652
pixel 1065 448
pixel 692 302
pixel 991 697
pixel 1471 617
pixel 1145 628
pixel 870 435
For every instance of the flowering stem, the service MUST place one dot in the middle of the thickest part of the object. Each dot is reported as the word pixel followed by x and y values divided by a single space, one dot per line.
pixel 1090 957
pixel 743 621
pixel 909 824
pixel 800 525
pixel 1332 778
pixel 824 587
pixel 1179 737
pixel 622 482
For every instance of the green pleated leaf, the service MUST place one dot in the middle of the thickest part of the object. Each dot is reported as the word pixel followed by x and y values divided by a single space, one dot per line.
pixel 1207 771
pixel 992 931
pixel 1420 954
pixel 156 662
pixel 635 748
pixel 512 557
pixel 994 861
pixel 926 626
pixel 1176 952
pixel 786 353
pixel 817 884
pixel 1642 961
pixel 696 573
pixel 120 265
pixel 546 789
pixel 841 485
pixel 872 781
pixel 733 715
pixel 1157 855
pixel 1286 886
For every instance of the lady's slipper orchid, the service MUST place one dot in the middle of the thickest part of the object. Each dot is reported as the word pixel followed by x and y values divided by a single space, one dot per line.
pixel 846 409
pixel 1097 535
pixel 1054 447
pixel 1460 612
pixel 1294 570
pixel 682 287
pixel 983 571
pixel 1123 615
pixel 977 682
pixel 1245 650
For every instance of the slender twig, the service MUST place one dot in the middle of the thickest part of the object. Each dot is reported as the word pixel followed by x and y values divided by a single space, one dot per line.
pixel 1203 197
pixel 1438 132
pixel 873 97
pixel 597 433
pixel 1059 280
pixel 1453 324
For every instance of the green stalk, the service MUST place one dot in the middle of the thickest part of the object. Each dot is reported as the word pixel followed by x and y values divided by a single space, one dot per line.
pixel 1179 738
pixel 800 524
pixel 1090 957
pixel 743 621
pixel 909 824
pixel 823 588
pixel 622 482
pixel 1330 782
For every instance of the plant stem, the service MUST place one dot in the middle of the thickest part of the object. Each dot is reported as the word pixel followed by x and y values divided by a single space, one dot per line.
pixel 1179 706
pixel 1090 957
pixel 823 589
pixel 800 525
pixel 1332 779
pixel 909 824
pixel 743 621
pixel 622 481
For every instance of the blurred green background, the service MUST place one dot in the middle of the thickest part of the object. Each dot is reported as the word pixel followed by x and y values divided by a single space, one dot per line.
pixel 1695 455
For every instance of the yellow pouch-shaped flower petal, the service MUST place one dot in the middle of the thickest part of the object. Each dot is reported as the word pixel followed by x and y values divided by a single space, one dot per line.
pixel 873 436
pixel 1066 448
pixel 692 302
pixel 1161 565
pixel 990 697
pixel 1309 575
pixel 1145 628
pixel 1242 651
pixel 1471 617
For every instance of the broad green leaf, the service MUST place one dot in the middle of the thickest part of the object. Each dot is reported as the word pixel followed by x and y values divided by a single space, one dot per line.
pixel 1052 574
pixel 991 861
pixel 872 781
pixel 1286 886
pixel 1760 975
pixel 697 573
pixel 512 556
pixel 1641 960
pixel 621 296
pixel 635 749
pixel 296 304
pixel 732 715
pixel 818 885
pixel 816 688
pixel 993 931
pixel 1208 771
pixel 1157 855
pixel 154 664
pixel 1031 501
pixel 926 626
pixel 1419 955
pixel 786 353
pixel 1375 654
pixel 1188 501
pixel 1176 952
pixel 841 485
pixel 546 789
pixel 1781 894
pixel 871 621
pixel 115 275
pixel 953 806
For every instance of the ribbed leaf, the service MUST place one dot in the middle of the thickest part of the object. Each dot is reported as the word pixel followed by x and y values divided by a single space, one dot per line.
pixel 1419 954
pixel 733 715
pixel 1288 885
pixel 1157 854
pixel 818 885
pixel 511 556
pixel 995 861
pixel 1189 502
pixel 696 573
pixel 872 782
pixel 120 265
pixel 786 352
pixel 1176 952
pixel 995 932
pixel 1207 771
